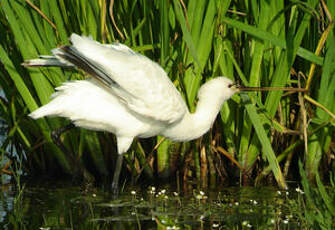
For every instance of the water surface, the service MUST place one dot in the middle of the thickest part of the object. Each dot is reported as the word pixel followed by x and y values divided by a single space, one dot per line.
pixel 63 206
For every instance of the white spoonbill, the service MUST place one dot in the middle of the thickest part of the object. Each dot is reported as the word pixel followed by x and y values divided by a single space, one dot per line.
pixel 129 95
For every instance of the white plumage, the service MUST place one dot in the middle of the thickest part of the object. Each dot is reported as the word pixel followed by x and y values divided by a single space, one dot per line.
pixel 129 95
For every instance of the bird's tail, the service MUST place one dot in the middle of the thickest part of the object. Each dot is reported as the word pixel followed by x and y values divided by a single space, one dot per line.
pixel 46 61
pixel 46 110
pixel 79 42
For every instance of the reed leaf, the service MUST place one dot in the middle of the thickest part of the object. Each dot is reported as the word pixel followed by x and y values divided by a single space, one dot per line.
pixel 256 42
pixel 324 136
pixel 265 142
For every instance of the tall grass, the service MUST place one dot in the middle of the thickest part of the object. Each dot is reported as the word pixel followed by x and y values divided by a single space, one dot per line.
pixel 258 43
pixel 319 209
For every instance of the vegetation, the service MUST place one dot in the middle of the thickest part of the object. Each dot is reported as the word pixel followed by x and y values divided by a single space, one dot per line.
pixel 63 206
pixel 319 208
pixel 257 43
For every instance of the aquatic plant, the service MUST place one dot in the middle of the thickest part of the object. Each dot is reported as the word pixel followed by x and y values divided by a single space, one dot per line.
pixel 319 202
pixel 65 206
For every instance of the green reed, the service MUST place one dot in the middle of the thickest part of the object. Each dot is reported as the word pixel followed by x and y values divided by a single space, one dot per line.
pixel 256 43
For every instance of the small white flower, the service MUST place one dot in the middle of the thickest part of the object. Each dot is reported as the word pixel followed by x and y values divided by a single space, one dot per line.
pixel 94 195
pixel 285 221
pixel 236 203
pixel 133 192
pixel 288 217
pixel 249 225
pixel 202 217
pixel 152 190
pixel 166 197
pixel 174 227
pixel 215 225
pixel 175 194
pixel 299 190
pixel 201 193
pixel 255 202
pixel 272 221
pixel 245 222
pixel 279 192
pixel 163 191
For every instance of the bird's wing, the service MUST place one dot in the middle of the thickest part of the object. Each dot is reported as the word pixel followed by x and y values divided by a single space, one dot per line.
pixel 45 61
pixel 139 83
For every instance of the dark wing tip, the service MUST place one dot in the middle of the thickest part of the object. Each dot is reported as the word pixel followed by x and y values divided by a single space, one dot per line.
pixel 72 55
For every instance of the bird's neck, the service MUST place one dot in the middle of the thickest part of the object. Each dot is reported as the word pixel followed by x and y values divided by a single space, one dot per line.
pixel 194 125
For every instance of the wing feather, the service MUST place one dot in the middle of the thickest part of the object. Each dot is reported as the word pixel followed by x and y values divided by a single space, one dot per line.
pixel 141 84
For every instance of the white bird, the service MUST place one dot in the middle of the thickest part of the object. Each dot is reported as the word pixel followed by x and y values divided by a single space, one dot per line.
pixel 129 95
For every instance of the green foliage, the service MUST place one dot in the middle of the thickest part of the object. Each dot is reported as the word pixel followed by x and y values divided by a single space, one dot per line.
pixel 320 202
pixel 260 43
pixel 149 208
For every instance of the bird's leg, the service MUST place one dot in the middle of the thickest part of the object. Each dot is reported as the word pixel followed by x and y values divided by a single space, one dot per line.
pixel 123 144
pixel 80 173
pixel 117 171
pixel 55 136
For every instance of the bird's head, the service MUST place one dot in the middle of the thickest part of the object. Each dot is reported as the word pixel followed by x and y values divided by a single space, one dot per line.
pixel 219 87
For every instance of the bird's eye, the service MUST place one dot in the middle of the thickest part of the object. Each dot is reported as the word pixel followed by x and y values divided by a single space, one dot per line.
pixel 230 85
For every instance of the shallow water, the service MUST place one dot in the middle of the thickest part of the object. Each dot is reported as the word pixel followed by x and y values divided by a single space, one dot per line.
pixel 62 206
